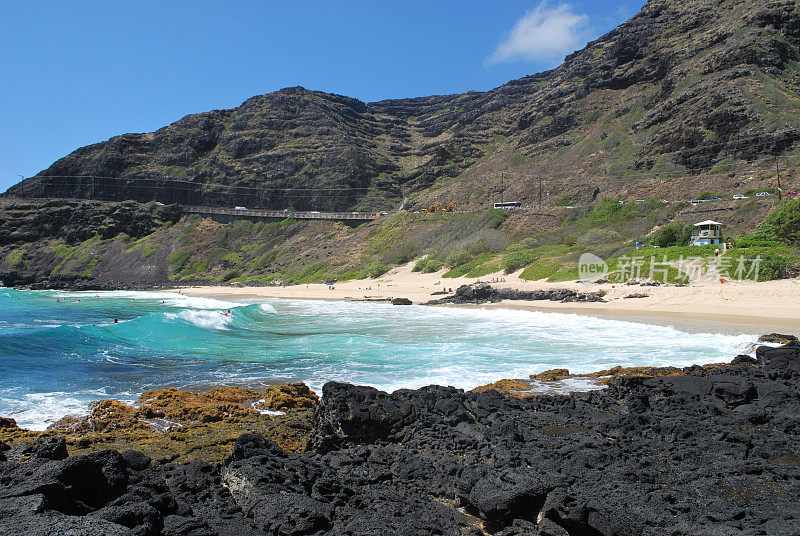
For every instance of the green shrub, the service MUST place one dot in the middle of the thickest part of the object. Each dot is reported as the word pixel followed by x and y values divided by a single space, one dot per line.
pixel 232 258
pixel 263 260
pixel 518 259
pixel 527 243
pixel 464 269
pixel 376 269
pixel 404 254
pixel 428 266
pixel 178 259
pixel 486 268
pixel 149 249
pixel 609 211
pixel 770 266
pixel 494 218
pixel 565 274
pixel 673 234
pixel 537 271
pixel 763 237
pixel 597 236
pixel 17 257
pixel 313 273
pixel 63 251
pixel 457 258
pixel 231 274
pixel 197 266
pixel 563 202
pixel 484 241
pixel 784 222
pixel 605 208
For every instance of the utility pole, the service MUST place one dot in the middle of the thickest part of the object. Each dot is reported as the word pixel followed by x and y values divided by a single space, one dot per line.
pixel 778 174
pixel 540 193
pixel 502 185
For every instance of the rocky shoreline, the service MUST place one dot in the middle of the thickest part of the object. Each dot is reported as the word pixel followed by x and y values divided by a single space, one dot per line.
pixel 480 293
pixel 707 450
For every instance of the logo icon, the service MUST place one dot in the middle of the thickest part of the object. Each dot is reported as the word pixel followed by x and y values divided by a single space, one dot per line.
pixel 591 267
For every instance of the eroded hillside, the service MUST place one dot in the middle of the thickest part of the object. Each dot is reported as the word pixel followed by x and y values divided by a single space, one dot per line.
pixel 684 96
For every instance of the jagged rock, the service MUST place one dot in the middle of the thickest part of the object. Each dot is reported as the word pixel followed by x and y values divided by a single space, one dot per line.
pixel 135 460
pixel 777 338
pixel 482 293
pixel 48 448
pixel 253 444
pixel 744 359
pixel 504 496
pixel 733 390
pixel 6 422
pixel 780 360
pixel 401 301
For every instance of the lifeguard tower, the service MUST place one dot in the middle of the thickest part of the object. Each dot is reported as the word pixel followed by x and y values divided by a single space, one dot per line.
pixel 706 233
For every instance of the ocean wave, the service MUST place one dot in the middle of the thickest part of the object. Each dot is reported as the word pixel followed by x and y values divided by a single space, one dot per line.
pixel 172 299
pixel 267 308
pixel 203 318
pixel 37 411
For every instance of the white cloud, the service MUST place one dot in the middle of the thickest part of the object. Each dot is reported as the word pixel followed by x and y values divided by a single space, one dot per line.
pixel 544 34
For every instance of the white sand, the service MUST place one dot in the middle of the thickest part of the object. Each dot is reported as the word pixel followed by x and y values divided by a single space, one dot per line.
pixel 774 305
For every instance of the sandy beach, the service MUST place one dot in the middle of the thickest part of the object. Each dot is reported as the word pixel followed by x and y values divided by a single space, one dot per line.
pixel 768 306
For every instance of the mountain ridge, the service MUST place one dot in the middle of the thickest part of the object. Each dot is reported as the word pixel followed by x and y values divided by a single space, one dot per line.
pixel 677 89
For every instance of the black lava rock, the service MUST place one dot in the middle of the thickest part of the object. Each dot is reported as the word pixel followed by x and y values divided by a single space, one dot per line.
pixel 482 293
pixel 645 457
pixel 784 359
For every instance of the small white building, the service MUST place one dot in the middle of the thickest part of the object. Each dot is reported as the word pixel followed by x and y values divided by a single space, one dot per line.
pixel 706 233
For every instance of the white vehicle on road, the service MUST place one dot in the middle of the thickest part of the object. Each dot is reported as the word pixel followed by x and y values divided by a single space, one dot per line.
pixel 239 208
pixel 740 196
pixel 762 194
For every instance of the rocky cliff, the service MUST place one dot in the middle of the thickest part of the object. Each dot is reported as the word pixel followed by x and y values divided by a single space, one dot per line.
pixel 682 89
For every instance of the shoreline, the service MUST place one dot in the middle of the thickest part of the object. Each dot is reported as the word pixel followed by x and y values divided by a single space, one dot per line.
pixel 767 306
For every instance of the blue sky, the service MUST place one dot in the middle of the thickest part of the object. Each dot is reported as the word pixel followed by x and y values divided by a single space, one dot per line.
pixel 75 73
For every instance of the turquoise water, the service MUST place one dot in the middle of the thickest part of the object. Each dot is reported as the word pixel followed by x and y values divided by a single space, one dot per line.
pixel 61 350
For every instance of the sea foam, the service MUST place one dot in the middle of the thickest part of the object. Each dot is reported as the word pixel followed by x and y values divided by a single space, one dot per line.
pixel 167 339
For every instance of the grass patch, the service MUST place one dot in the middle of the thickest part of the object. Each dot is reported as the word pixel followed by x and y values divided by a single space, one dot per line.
pixel 519 259
pixel 17 258
pixel 565 274
pixel 539 270
pixel 234 259
pixel 178 259
pixel 464 269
